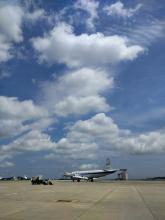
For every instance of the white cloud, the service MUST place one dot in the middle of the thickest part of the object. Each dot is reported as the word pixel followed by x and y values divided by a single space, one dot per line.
pixel 81 105
pixel 14 114
pixel 61 45
pixel 10 29
pixel 100 135
pixel 6 164
pixel 13 127
pixel 35 15
pixel 87 139
pixel 77 92
pixel 42 123
pixel 88 166
pixel 11 107
pixel 145 34
pixel 76 149
pixel 90 6
pixel 10 22
pixel 12 17
pixel 97 129
pixel 32 141
pixel 10 127
pixel 83 87
pixel 118 9
pixel 147 143
pixel 5 48
pixel 27 120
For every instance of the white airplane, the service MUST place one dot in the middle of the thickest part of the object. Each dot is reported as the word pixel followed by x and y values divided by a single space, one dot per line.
pixel 90 175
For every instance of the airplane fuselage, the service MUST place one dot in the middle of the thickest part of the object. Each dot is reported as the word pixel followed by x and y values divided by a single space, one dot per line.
pixel 89 174
pixel 94 173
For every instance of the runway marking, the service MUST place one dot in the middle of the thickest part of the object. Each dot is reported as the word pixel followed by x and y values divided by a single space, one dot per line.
pixel 10 194
pixel 144 202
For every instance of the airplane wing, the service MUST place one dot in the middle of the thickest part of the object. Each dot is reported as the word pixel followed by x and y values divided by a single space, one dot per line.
pixel 111 170
pixel 79 177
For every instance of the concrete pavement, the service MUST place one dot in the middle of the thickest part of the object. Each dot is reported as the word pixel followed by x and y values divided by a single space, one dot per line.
pixel 83 201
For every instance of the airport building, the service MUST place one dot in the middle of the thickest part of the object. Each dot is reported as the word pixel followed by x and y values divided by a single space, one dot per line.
pixel 123 175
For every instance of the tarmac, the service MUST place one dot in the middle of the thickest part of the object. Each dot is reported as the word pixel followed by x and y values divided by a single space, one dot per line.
pixel 65 200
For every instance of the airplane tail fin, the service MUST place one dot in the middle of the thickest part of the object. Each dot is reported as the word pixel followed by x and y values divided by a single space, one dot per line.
pixel 108 164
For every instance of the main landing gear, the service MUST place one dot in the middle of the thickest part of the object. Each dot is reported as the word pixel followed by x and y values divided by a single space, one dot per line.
pixel 78 180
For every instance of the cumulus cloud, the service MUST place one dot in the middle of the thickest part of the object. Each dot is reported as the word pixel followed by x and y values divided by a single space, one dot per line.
pixel 13 127
pixel 42 124
pixel 100 135
pixel 10 127
pixel 27 120
pixel 118 9
pixel 12 17
pixel 10 22
pixel 90 6
pixel 77 92
pixel 14 114
pixel 11 107
pixel 81 105
pixel 61 45
pixel 32 141
pixel 10 29
pixel 76 149
pixel 87 140
pixel 83 87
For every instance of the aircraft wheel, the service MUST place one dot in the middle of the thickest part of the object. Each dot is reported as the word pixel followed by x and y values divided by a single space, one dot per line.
pixel 91 180
pixel 78 180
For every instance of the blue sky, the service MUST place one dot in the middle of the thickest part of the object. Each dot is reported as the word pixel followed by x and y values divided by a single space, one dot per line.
pixel 81 81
